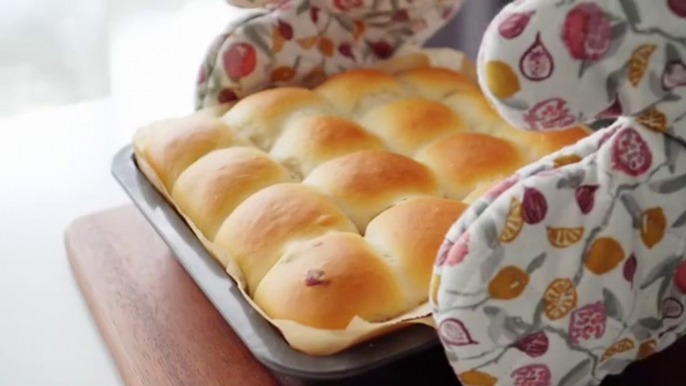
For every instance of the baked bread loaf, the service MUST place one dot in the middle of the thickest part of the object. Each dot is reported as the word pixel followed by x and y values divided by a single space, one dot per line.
pixel 329 204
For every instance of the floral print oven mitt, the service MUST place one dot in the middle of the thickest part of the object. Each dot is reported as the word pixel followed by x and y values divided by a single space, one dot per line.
pixel 574 267
pixel 284 42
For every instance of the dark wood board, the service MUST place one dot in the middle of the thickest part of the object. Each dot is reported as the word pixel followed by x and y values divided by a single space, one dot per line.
pixel 158 325
pixel 162 330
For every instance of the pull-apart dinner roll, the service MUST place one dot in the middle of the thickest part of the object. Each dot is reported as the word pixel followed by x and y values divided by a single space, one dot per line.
pixel 326 281
pixel 409 235
pixel 331 203
pixel 260 117
pixel 169 147
pixel 309 141
pixel 261 227
pixel 539 144
pixel 356 91
pixel 367 182
pixel 209 189
pixel 475 109
pixel 436 83
pixel 463 161
pixel 409 123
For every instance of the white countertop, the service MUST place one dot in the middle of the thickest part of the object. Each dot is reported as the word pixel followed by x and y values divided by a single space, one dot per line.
pixel 54 167
pixel 141 58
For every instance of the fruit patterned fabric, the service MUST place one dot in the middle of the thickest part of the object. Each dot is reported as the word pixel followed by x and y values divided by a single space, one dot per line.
pixel 573 268
pixel 287 42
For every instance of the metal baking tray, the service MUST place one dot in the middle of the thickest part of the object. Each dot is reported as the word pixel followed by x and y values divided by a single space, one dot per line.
pixel 411 355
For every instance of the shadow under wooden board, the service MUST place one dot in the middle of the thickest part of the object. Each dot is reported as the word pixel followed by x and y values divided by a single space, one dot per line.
pixel 162 330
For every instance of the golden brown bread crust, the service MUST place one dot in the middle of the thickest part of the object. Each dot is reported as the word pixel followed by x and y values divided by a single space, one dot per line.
pixel 212 187
pixel 256 233
pixel 387 156
pixel 409 123
pixel 436 83
pixel 259 117
pixel 410 234
pixel 464 160
pixel 171 146
pixel 366 182
pixel 539 144
pixel 309 141
pixel 355 91
pixel 326 281
pixel 475 109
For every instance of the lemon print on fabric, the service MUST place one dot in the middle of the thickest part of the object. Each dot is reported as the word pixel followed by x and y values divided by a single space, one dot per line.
pixel 501 79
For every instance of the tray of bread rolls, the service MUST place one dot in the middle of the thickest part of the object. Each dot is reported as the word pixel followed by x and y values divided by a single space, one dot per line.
pixel 311 216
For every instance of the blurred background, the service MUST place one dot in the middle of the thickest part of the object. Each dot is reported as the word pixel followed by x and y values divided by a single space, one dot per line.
pixel 140 52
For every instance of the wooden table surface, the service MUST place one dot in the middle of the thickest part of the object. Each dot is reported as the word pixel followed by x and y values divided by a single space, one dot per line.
pixel 159 326
pixel 162 330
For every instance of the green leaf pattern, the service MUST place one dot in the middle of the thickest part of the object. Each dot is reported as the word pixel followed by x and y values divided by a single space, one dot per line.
pixel 569 273
pixel 342 35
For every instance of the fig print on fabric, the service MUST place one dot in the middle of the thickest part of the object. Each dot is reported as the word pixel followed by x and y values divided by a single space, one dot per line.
pixel 572 267
pixel 537 64
pixel 587 264
pixel 302 42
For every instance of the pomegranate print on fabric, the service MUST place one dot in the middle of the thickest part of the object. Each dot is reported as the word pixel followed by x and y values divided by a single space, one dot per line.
pixel 574 267
pixel 301 42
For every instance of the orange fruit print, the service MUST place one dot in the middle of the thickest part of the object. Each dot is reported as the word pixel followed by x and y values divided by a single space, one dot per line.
pixel 621 346
pixel 508 283
pixel 638 64
pixel 514 222
pixel 646 349
pixel 564 237
pixel 477 378
pixel 653 225
pixel 604 255
pixel 559 298
pixel 653 119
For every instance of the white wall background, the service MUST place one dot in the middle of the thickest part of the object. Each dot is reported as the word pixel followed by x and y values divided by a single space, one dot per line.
pixel 55 52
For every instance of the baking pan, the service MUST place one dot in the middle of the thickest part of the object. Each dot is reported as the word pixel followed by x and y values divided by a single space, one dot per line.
pixel 412 355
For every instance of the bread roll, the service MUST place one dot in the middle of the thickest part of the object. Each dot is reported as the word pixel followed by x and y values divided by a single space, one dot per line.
pixel 355 91
pixel 257 232
pixel 326 281
pixel 367 182
pixel 212 187
pixel 331 203
pixel 464 160
pixel 539 144
pixel 309 141
pixel 436 83
pixel 260 117
pixel 407 124
pixel 410 234
pixel 473 106
pixel 169 147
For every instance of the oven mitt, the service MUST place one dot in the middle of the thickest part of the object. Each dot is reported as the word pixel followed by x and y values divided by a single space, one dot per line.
pixel 573 268
pixel 304 41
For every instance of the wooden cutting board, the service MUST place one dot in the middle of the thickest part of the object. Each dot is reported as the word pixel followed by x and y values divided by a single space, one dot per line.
pixel 158 325
pixel 162 330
